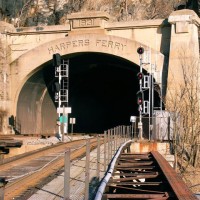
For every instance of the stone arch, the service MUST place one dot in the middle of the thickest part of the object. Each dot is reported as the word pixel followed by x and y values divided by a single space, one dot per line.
pixel 28 63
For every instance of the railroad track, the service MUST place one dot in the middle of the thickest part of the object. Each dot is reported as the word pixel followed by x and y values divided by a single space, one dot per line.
pixel 144 176
pixel 28 171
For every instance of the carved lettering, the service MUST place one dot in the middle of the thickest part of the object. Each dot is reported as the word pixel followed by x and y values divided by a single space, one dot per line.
pixel 86 42
pixel 86 22
pixel 74 43
pixel 82 22
pixel 62 46
pixel 110 44
pixel 51 50
pixel 90 22
pixel 104 43
pixel 67 45
pixel 57 48
pixel 117 45
pixel 98 42
pixel 80 43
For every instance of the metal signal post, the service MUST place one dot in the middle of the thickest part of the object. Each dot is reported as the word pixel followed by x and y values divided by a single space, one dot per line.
pixel 61 92
pixel 140 97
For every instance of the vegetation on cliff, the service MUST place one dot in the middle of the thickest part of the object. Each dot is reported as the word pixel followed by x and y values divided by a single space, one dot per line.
pixel 50 12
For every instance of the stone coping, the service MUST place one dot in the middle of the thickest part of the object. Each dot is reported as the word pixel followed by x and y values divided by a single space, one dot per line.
pixel 184 15
pixel 137 24
pixel 96 14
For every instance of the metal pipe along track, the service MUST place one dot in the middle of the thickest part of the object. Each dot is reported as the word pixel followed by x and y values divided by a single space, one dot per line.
pixel 143 176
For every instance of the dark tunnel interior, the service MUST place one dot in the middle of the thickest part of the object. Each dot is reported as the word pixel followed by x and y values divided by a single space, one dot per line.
pixel 102 90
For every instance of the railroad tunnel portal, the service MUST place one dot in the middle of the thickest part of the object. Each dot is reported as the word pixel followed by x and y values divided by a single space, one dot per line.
pixel 102 94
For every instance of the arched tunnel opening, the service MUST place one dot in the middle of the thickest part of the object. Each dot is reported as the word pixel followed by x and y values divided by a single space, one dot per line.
pixel 102 95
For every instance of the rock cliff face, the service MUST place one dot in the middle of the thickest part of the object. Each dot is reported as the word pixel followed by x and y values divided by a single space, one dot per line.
pixel 50 12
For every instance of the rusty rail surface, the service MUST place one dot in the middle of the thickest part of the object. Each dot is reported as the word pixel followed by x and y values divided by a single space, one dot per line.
pixel 145 176
pixel 38 166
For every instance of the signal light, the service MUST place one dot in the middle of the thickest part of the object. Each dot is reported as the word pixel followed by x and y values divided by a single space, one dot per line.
pixel 140 76
pixel 140 101
pixel 56 60
pixel 56 96
pixel 140 50
pixel 139 98
pixel 56 87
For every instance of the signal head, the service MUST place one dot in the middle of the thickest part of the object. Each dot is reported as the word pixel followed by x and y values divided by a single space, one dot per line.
pixel 140 50
pixel 140 75
pixel 139 97
pixel 56 59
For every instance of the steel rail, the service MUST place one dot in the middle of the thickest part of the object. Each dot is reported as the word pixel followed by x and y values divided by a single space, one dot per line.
pixel 143 176
pixel 9 162
pixel 179 187
pixel 21 185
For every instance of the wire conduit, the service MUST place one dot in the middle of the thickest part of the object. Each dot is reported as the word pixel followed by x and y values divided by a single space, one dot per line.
pixel 106 178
